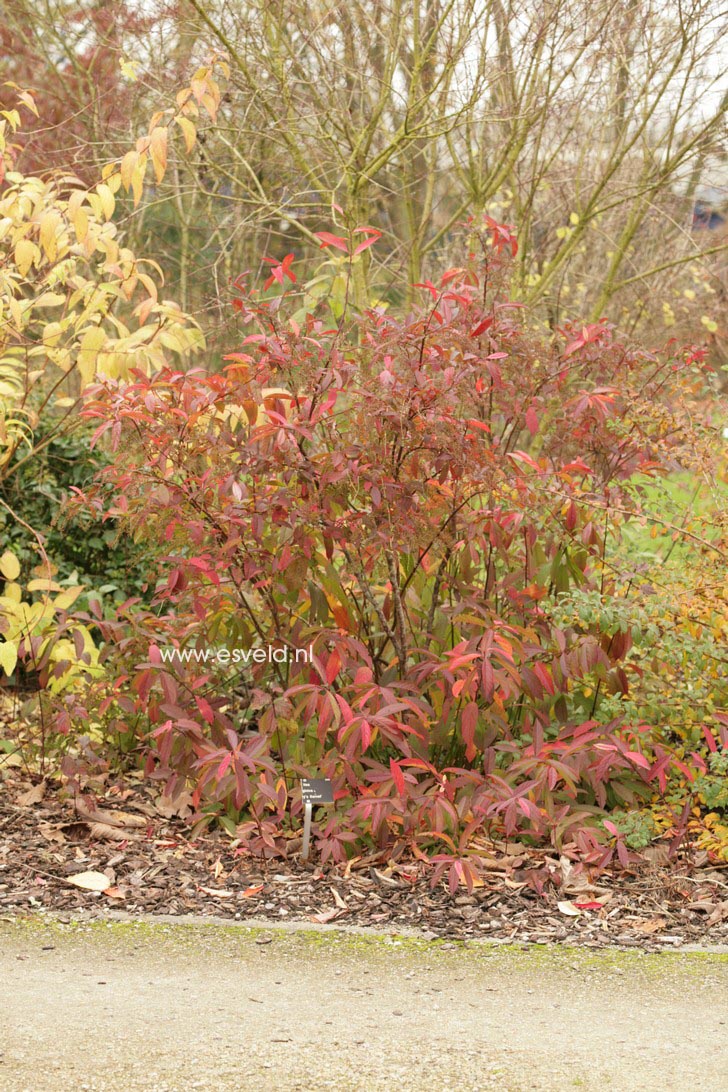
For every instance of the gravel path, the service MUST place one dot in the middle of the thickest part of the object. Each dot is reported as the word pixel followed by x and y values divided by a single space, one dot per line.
pixel 161 1008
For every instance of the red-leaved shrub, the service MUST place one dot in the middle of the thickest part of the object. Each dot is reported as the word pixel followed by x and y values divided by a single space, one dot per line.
pixel 402 496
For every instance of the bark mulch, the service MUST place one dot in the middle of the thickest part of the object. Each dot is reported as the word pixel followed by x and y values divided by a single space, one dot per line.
pixel 155 867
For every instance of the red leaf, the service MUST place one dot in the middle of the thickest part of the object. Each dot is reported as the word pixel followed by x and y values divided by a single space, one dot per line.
pixel 327 239
pixel 397 776
pixel 430 288
pixel 573 346
pixel 544 675
pixel 468 724
pixel 333 666
pixel 531 420
pixel 481 327
pixel 638 759
pixel 250 891
pixel 222 768
pixel 710 739
pixel 373 236
pixel 522 457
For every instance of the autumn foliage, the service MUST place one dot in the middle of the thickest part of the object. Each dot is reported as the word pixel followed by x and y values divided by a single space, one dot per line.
pixel 408 496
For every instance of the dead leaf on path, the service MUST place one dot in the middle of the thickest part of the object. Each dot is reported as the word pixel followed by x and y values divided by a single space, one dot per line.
pixel 720 912
pixel 325 916
pixel 703 904
pixel 34 795
pixel 383 879
pixel 573 882
pixel 219 893
pixel 111 818
pixel 105 833
pixel 338 899
pixel 569 909
pixel 657 855
pixel 90 881
pixel 652 925
pixel 250 891
pixel 51 833
pixel 114 893
pixel 169 807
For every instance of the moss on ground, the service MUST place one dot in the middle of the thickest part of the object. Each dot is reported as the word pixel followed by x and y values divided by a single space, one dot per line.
pixel 219 938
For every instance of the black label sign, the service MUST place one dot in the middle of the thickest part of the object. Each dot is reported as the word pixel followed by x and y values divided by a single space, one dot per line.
pixel 318 790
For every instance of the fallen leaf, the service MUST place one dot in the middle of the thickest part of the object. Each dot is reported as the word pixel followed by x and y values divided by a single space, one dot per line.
pixel 90 881
pixel 338 899
pixel 652 925
pixel 325 916
pixel 220 893
pixel 114 893
pixel 573 882
pixel 51 833
pixel 383 879
pixel 569 909
pixel 720 912
pixel 657 855
pixel 703 904
pixel 111 818
pixel 105 833
pixel 180 805
pixel 32 796
pixel 250 891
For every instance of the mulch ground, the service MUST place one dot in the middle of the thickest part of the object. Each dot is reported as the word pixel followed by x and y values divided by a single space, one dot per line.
pixel 155 867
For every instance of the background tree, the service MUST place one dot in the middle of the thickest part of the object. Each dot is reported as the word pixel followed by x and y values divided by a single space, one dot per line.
pixel 592 127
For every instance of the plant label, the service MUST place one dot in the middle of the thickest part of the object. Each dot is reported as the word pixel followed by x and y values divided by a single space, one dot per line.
pixel 318 790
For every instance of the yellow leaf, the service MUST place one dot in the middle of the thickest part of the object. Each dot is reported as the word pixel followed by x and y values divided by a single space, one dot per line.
pixel 25 255
pixel 137 179
pixel 27 98
pixel 8 657
pixel 128 165
pixel 709 323
pixel 80 224
pixel 107 200
pixel 128 69
pixel 189 132
pixel 9 566
pixel 43 584
pixel 49 222
pixel 158 151
pixel 574 219
pixel 67 598
pixel 91 342
pixel 13 592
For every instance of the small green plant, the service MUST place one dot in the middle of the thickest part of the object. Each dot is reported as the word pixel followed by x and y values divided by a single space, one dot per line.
pixel 711 787
pixel 637 828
